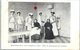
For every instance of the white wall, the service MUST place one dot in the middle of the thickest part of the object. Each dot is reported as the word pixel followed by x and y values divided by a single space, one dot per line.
pixel 23 7
pixel 61 9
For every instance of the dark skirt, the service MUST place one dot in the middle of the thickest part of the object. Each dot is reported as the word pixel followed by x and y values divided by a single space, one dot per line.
pixel 36 37
pixel 49 34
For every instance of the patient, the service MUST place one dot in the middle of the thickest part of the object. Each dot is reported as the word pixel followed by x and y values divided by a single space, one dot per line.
pixel 35 33
pixel 36 24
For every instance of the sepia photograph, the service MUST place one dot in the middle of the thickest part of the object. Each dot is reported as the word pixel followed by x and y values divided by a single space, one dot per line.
pixel 39 22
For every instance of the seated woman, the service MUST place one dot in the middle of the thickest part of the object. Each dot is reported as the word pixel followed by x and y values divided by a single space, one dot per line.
pixel 48 30
pixel 35 33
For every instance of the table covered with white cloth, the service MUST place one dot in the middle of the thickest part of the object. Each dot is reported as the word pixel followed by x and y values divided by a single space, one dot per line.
pixel 27 33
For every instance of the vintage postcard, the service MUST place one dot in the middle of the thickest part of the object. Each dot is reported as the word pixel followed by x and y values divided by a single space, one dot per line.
pixel 40 24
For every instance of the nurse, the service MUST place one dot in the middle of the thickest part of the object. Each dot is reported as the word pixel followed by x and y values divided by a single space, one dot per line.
pixel 53 20
pixel 20 21
pixel 41 20
pixel 29 21
pixel 11 21
pixel 58 25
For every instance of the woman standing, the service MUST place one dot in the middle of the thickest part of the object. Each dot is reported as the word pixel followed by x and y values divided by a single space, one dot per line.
pixel 20 21
pixel 11 21
pixel 54 23
pixel 48 30
pixel 29 21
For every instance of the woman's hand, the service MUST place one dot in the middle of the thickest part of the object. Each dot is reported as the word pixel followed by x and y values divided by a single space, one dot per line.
pixel 53 22
pixel 48 28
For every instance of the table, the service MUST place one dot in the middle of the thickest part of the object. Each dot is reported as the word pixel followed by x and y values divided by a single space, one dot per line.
pixel 27 33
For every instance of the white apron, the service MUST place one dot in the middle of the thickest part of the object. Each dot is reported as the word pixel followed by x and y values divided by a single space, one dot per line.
pixel 55 31
pixel 11 25
pixel 39 20
pixel 19 20
pixel 43 19
pixel 20 23
pixel 11 22
pixel 35 31
pixel 28 23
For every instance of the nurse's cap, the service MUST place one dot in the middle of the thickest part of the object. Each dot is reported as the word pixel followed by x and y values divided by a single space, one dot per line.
pixel 30 13
pixel 12 11
pixel 40 12
pixel 18 12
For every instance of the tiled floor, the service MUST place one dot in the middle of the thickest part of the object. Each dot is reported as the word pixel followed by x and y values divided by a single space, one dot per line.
pixel 56 40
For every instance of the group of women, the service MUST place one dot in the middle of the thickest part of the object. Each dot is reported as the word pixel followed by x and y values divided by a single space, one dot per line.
pixel 18 24
pixel 15 23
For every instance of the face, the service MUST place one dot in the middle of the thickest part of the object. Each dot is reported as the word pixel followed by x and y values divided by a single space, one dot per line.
pixel 40 14
pixel 18 14
pixel 48 20
pixel 35 20
pixel 12 13
pixel 52 14
pixel 31 16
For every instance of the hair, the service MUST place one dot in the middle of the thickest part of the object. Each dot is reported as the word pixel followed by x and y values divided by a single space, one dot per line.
pixel 53 12
pixel 48 19
pixel 12 11
pixel 19 12
pixel 36 19
pixel 40 13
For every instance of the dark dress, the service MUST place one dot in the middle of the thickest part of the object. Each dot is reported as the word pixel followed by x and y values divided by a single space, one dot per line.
pixel 48 32
pixel 36 36
pixel 36 24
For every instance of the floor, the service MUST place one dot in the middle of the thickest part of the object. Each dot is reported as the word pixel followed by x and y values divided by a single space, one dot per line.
pixel 56 40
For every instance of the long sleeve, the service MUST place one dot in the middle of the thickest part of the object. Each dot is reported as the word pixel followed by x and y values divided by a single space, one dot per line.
pixel 37 25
